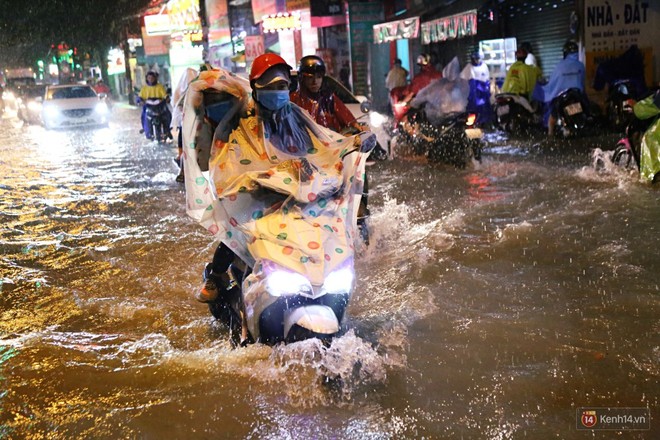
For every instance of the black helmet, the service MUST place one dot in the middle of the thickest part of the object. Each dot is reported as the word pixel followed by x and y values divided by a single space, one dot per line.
pixel 570 47
pixel 311 64
pixel 151 72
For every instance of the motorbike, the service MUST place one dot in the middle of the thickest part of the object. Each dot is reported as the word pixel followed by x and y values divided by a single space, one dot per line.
pixel 514 113
pixel 619 104
pixel 571 114
pixel 293 273
pixel 158 119
pixel 453 140
pixel 270 302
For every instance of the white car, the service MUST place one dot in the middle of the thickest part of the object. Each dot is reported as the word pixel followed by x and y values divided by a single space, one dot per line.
pixel 73 105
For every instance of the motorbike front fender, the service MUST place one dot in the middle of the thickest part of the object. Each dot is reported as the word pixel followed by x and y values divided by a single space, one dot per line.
pixel 318 319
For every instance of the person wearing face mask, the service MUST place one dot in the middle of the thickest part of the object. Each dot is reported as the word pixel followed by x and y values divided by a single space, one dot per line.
pixel 277 137
pixel 324 105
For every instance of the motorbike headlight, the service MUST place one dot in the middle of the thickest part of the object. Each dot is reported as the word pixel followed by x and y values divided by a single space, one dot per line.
pixel 376 119
pixel 341 279
pixel 101 108
pixel 285 282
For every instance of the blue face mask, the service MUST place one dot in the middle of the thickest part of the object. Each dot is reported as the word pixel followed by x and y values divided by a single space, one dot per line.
pixel 273 99
pixel 216 112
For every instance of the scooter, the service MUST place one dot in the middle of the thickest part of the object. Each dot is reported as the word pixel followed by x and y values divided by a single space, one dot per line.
pixel 293 274
pixel 270 302
pixel 514 113
pixel 571 114
pixel 158 119
pixel 627 150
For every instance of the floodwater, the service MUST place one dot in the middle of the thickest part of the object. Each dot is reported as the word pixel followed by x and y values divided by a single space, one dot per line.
pixel 492 303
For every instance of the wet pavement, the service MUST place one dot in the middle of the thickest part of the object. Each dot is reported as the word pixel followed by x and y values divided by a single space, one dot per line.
pixel 492 303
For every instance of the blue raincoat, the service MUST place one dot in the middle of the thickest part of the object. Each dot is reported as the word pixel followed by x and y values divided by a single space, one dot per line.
pixel 568 74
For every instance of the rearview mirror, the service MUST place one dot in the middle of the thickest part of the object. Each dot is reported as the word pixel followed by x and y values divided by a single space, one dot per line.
pixel 103 95
pixel 365 106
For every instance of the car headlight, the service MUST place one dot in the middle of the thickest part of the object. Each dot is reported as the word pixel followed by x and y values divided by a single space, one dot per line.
pixel 285 282
pixel 376 119
pixel 101 108
pixel 341 279
pixel 8 95
pixel 34 106
pixel 51 111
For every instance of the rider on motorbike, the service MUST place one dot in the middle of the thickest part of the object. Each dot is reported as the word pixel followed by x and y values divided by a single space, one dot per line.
pixel 152 90
pixel 521 78
pixel 447 95
pixel 427 73
pixel 324 105
pixel 569 73
pixel 649 166
pixel 283 138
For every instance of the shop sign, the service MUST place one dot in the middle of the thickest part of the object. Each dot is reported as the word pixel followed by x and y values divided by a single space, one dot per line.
pixel 295 5
pixel 184 15
pixel 282 21
pixel 396 30
pixel 618 25
pixel 157 24
pixel 116 61
pixel 266 7
pixel 449 28
pixel 254 46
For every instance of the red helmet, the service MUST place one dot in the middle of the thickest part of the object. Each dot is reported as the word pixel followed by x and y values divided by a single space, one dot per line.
pixel 263 63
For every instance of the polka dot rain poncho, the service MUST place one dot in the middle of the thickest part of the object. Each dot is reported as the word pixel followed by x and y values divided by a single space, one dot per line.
pixel 265 203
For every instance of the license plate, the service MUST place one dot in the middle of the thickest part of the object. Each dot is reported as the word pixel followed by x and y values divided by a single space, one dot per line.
pixel 474 133
pixel 502 110
pixel 573 109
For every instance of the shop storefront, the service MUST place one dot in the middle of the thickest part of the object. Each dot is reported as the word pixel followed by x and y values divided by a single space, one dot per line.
pixel 399 32
pixel 497 29
pixel 546 25
pixel 329 18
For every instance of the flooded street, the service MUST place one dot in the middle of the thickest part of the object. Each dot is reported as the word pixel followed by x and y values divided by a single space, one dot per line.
pixel 492 303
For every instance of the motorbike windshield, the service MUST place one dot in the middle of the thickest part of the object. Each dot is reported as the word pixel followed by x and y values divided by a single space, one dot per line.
pixel 267 204
pixel 442 97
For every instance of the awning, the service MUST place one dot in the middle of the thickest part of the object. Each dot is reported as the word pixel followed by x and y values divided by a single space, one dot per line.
pixel 448 28
pixel 396 30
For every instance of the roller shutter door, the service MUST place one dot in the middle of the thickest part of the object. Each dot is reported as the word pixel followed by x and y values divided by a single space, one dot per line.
pixel 543 23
